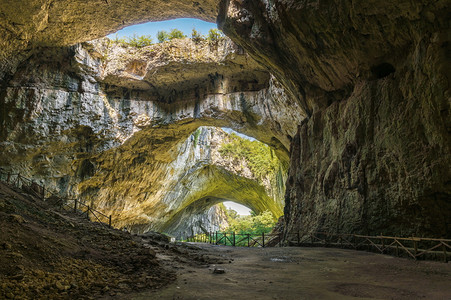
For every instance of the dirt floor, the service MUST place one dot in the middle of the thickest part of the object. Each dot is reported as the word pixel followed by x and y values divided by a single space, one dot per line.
pixel 308 273
pixel 48 253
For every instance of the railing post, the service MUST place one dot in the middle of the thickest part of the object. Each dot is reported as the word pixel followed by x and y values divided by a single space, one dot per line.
pixel 445 258
pixel 299 238
pixel 109 219
pixel 382 243
pixel 397 248
pixel 249 239
pixel 234 239
pixel 75 205
pixel 225 238
pixel 415 247
pixel 263 239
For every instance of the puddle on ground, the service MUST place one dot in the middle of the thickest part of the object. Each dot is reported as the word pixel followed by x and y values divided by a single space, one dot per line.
pixel 280 259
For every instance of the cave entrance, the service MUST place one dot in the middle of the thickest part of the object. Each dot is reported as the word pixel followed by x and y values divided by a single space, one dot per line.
pixel 223 166
pixel 157 32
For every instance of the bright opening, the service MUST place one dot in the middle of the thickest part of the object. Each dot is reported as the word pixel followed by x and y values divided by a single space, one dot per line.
pixel 185 25
pixel 240 209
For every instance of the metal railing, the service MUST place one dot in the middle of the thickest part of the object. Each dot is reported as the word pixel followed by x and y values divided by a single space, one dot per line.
pixel 412 247
pixel 39 191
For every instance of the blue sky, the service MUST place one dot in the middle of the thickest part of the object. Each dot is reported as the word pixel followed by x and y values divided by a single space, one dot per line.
pixel 151 28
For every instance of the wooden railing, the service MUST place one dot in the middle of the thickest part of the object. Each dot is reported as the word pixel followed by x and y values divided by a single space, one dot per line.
pixel 412 247
pixel 47 195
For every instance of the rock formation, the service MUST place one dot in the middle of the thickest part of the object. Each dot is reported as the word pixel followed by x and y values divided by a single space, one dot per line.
pixel 371 77
pixel 82 120
pixel 374 154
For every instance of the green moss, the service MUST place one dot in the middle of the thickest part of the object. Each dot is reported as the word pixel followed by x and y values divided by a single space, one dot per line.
pixel 196 136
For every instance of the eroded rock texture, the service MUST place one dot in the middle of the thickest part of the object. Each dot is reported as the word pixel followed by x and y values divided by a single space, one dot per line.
pixel 371 76
pixel 123 142
pixel 25 25
pixel 374 155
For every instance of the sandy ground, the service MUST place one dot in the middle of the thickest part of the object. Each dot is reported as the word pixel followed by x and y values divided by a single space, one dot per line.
pixel 308 273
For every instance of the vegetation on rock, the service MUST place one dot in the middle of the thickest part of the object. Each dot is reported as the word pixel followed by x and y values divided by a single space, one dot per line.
pixel 253 224
pixel 258 156
pixel 134 41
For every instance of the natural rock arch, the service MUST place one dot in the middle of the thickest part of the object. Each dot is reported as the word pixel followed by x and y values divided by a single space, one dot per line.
pixel 322 52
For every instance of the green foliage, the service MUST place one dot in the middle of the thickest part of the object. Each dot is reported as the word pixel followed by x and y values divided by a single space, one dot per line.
pixel 214 35
pixel 196 136
pixel 259 157
pixel 253 224
pixel 176 34
pixel 162 36
pixel 196 36
pixel 134 41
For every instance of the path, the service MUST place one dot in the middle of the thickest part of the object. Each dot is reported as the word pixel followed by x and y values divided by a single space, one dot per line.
pixel 309 273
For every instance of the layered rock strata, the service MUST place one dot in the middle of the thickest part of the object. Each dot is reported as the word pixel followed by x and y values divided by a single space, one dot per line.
pixel 374 154
pixel 80 119
pixel 372 78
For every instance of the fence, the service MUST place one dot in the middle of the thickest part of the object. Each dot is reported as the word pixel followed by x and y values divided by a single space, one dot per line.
pixel 53 198
pixel 238 239
pixel 413 247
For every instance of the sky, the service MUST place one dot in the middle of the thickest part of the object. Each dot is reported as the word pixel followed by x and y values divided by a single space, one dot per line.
pixel 240 209
pixel 151 28
pixel 230 130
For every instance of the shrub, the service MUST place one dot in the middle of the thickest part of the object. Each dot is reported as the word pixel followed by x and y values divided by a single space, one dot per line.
pixel 196 36
pixel 254 224
pixel 162 36
pixel 134 41
pixel 214 35
pixel 259 157
pixel 176 34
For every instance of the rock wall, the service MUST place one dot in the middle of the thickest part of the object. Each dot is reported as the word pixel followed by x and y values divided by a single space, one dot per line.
pixel 144 194
pixel 92 130
pixel 371 76
pixel 374 155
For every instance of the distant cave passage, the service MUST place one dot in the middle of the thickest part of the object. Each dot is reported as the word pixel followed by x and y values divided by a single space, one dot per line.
pixel 382 70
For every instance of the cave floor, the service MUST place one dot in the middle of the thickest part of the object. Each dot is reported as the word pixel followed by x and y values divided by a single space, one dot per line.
pixel 307 273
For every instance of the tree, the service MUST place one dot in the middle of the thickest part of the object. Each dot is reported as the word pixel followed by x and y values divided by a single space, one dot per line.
pixel 214 35
pixel 196 36
pixel 134 41
pixel 176 34
pixel 162 36
pixel 140 41
pixel 254 224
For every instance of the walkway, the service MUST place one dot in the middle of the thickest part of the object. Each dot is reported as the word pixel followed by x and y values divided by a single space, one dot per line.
pixel 309 273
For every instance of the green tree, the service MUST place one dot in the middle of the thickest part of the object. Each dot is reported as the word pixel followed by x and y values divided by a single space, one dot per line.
pixel 254 224
pixel 214 35
pixel 258 156
pixel 162 36
pixel 134 41
pixel 176 34
pixel 196 36
pixel 140 41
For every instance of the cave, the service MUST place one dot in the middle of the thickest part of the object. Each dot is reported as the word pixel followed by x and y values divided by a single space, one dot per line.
pixel 353 99
pixel 315 108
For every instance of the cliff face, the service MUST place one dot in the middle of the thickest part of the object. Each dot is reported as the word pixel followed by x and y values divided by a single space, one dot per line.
pixel 83 121
pixel 371 77
pixel 374 154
